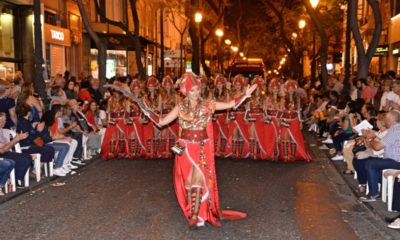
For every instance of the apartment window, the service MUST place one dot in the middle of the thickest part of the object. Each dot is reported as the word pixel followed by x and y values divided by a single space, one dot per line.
pixel 6 33
pixel 50 18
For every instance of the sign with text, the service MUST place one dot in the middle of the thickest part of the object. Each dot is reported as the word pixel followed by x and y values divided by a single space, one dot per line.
pixel 382 50
pixel 57 35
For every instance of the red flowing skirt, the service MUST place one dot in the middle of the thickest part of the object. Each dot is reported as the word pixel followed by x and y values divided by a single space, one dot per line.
pixel 221 136
pixel 210 210
pixel 266 135
pixel 292 146
pixel 240 125
pixel 115 142
pixel 135 131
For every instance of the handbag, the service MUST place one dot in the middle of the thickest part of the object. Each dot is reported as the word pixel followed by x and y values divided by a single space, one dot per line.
pixel 361 151
pixel 38 141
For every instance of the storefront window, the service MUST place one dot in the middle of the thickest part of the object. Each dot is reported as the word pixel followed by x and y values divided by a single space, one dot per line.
pixel 7 70
pixel 6 33
pixel 115 64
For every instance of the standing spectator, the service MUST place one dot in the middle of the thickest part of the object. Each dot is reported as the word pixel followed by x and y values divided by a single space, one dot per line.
pixel 367 92
pixel 94 90
pixel 7 105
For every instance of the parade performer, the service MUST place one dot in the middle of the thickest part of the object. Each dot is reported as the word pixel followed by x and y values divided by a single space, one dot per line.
pixel 238 127
pixel 134 123
pixel 271 127
pixel 292 147
pixel 151 134
pixel 220 119
pixel 194 170
pixel 169 99
pixel 258 140
pixel 115 142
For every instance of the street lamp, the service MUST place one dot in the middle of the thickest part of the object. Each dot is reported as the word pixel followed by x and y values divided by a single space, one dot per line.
pixel 241 54
pixel 219 32
pixel 294 35
pixel 198 17
pixel 228 42
pixel 314 3
pixel 234 49
pixel 302 24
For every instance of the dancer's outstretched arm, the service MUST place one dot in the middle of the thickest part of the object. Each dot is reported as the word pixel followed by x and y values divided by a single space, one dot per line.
pixel 171 116
pixel 234 103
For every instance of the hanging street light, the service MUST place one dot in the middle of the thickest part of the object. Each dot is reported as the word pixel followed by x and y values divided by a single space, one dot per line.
pixel 198 17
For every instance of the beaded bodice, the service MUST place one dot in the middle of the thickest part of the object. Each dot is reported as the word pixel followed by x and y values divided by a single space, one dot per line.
pixel 196 118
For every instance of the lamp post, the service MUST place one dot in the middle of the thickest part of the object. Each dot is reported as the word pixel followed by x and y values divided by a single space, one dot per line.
pixel 302 25
pixel 198 17
pixel 314 4
pixel 219 33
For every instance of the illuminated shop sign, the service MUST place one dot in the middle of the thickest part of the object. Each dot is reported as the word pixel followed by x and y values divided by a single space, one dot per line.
pixel 382 50
pixel 57 35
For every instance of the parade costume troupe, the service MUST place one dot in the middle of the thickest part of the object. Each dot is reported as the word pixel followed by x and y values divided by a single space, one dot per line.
pixel 194 170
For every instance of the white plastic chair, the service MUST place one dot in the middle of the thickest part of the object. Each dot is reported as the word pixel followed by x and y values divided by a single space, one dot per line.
pixel 84 146
pixel 12 181
pixel 387 188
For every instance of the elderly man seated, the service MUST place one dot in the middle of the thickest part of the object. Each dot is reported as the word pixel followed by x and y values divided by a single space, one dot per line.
pixel 371 168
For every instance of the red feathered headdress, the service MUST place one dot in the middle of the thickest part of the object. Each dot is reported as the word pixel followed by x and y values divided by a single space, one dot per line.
pixel 152 82
pixel 290 84
pixel 238 78
pixel 167 81
pixel 188 81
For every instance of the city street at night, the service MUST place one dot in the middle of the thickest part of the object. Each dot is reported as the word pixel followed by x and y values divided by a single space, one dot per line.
pixel 136 200
pixel 200 119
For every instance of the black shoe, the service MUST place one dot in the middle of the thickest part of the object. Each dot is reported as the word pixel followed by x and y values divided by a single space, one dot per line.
pixel 391 219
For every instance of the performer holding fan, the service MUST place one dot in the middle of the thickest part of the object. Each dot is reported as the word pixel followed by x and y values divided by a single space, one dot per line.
pixel 194 170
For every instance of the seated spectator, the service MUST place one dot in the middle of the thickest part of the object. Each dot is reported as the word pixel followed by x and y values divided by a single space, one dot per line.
pixel 370 170
pixel 37 142
pixel 22 160
pixel 6 166
pixel 71 91
pixel 35 103
pixel 7 105
pixel 51 119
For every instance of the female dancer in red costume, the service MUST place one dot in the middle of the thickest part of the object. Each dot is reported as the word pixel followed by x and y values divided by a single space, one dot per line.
pixel 114 143
pixel 169 98
pixel 134 122
pixel 292 147
pixel 239 134
pixel 220 119
pixel 151 134
pixel 258 140
pixel 271 127
pixel 194 170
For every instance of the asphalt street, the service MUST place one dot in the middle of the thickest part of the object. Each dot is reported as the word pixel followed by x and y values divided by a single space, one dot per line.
pixel 134 199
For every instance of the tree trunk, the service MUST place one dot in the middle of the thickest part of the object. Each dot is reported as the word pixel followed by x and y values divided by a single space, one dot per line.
pixel 206 69
pixel 195 47
pixel 39 81
pixel 347 64
pixel 181 56
pixel 364 58
pixel 137 44
pixel 324 41
pixel 162 42
pixel 101 45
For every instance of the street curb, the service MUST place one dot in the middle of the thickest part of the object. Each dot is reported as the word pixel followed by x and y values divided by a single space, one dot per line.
pixel 47 180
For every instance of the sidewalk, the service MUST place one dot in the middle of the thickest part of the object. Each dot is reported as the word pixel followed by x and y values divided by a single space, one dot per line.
pixel 34 185
pixel 377 209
